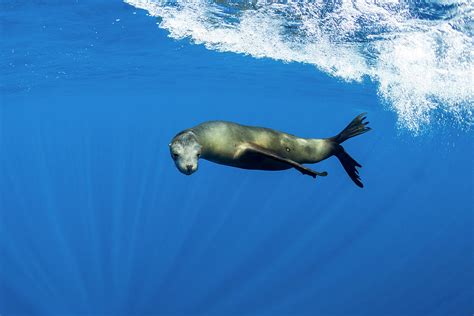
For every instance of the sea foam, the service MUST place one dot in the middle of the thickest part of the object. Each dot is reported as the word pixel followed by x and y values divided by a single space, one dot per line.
pixel 419 54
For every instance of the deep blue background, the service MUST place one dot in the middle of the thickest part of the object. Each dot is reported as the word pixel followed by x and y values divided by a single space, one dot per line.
pixel 95 218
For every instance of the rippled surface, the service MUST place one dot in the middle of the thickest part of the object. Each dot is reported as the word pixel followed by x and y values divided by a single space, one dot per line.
pixel 419 53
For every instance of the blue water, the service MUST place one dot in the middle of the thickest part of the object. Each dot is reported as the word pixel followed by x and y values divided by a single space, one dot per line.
pixel 96 219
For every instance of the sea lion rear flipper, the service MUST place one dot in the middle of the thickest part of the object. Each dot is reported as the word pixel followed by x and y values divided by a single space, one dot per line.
pixel 255 149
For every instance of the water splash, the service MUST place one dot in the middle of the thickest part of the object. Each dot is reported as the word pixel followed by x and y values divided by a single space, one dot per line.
pixel 419 53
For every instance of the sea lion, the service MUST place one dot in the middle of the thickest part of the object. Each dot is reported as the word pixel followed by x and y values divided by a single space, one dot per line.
pixel 250 147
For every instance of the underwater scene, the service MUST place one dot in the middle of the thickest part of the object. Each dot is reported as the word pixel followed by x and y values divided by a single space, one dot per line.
pixel 224 157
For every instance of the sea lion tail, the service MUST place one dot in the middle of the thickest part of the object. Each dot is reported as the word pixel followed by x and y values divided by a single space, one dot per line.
pixel 348 163
pixel 356 127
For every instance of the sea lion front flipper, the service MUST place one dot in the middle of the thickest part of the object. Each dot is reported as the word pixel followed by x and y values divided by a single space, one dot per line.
pixel 255 149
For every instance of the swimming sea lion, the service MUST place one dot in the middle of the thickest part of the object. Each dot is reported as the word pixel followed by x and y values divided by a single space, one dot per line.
pixel 250 147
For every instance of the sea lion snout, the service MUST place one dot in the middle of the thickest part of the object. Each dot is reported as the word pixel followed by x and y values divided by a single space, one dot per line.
pixel 190 169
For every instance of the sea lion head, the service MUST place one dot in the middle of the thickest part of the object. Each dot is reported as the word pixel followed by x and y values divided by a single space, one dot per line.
pixel 185 151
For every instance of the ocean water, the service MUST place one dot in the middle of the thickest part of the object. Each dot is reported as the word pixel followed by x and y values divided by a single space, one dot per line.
pixel 96 220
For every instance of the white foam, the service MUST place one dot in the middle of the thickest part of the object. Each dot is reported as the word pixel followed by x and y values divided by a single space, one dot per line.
pixel 423 67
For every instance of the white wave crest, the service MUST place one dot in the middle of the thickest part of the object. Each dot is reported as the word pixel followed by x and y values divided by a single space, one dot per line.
pixel 421 56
